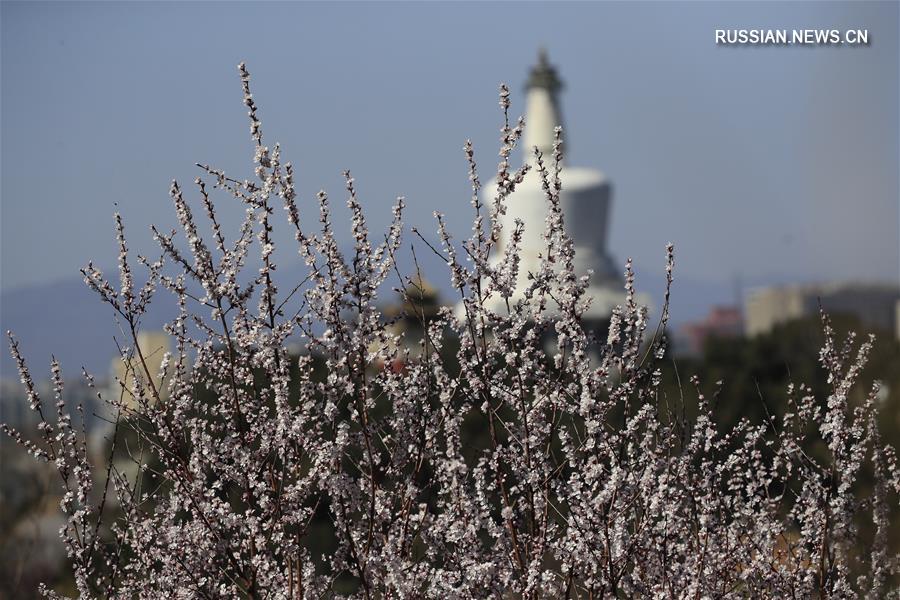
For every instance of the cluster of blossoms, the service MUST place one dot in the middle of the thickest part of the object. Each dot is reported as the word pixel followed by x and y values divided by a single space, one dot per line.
pixel 587 483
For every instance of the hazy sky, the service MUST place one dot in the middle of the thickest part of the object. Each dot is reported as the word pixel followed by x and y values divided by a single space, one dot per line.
pixel 769 163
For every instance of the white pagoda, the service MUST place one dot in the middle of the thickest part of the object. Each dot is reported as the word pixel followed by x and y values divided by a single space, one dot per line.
pixel 585 198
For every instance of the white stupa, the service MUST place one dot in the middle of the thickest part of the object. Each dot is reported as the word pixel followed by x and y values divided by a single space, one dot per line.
pixel 585 199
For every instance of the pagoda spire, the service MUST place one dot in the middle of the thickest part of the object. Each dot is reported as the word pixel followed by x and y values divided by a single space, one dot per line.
pixel 542 114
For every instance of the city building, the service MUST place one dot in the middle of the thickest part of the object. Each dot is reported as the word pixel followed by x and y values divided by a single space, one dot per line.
pixel 721 322
pixel 875 305
pixel 897 320
pixel 153 346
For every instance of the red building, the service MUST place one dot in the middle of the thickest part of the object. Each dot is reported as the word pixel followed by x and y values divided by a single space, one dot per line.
pixel 721 322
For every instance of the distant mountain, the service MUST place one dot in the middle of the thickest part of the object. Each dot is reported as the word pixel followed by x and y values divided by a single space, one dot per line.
pixel 68 320
pixel 691 298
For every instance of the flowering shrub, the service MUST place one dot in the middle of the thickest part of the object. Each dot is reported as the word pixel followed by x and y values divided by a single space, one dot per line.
pixel 586 484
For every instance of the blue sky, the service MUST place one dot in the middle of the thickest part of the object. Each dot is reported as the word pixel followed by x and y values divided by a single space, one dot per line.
pixel 767 163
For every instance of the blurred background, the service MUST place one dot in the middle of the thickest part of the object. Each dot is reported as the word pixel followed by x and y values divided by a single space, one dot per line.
pixel 773 169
